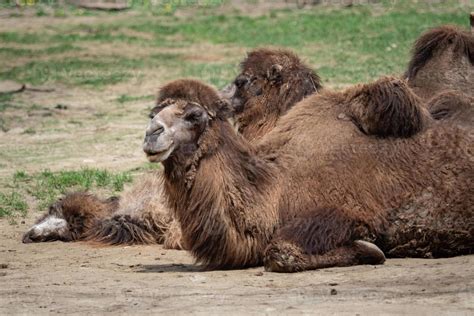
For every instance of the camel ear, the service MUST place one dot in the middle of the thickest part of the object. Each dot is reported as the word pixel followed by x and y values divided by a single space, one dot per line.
pixel 274 74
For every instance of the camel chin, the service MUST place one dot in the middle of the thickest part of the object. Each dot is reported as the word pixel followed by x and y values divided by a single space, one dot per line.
pixel 160 156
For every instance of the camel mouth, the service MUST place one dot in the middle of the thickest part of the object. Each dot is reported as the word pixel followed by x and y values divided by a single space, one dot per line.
pixel 159 156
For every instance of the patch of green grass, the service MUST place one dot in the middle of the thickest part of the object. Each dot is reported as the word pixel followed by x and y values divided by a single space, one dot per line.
pixel 358 42
pixel 46 187
pixel 345 45
pixel 22 38
pixel 124 98
pixel 71 71
pixel 12 204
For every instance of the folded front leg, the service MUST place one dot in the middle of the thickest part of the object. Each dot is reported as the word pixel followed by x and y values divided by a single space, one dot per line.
pixel 327 237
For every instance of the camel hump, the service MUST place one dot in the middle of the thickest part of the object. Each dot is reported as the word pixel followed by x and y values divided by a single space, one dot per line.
pixel 386 108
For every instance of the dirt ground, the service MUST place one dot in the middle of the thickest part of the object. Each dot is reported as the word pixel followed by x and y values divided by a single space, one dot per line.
pixel 79 278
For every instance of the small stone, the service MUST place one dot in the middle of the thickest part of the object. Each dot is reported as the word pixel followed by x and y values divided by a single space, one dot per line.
pixel 333 284
pixel 333 292
pixel 259 273
pixel 3 265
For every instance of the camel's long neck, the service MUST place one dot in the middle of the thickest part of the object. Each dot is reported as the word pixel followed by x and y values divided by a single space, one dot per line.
pixel 257 120
pixel 222 213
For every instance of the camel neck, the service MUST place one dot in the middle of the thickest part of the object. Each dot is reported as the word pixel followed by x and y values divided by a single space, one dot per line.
pixel 216 211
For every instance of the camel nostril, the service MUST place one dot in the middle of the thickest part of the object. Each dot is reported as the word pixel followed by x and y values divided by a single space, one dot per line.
pixel 159 130
pixel 155 129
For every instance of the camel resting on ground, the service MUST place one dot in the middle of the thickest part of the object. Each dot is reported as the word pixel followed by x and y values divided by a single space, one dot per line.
pixel 315 191
pixel 270 82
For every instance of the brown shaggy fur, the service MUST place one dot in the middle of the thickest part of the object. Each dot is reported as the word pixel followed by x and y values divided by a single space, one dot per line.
pixel 442 59
pixel 306 194
pixel 140 217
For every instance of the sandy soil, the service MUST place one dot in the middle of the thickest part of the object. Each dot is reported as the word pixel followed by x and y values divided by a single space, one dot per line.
pixel 80 278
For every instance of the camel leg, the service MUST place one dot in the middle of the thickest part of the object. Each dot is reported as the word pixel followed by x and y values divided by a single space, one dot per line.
pixel 286 257
pixel 328 238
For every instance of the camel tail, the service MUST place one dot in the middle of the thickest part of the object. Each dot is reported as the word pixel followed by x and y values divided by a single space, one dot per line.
pixel 126 230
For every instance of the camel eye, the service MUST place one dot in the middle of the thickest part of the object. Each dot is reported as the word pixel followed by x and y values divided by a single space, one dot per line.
pixel 193 116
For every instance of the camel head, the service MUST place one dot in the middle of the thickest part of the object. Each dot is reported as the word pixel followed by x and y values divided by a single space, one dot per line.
pixel 270 82
pixel 50 227
pixel 176 127
pixel 183 112
pixel 69 217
